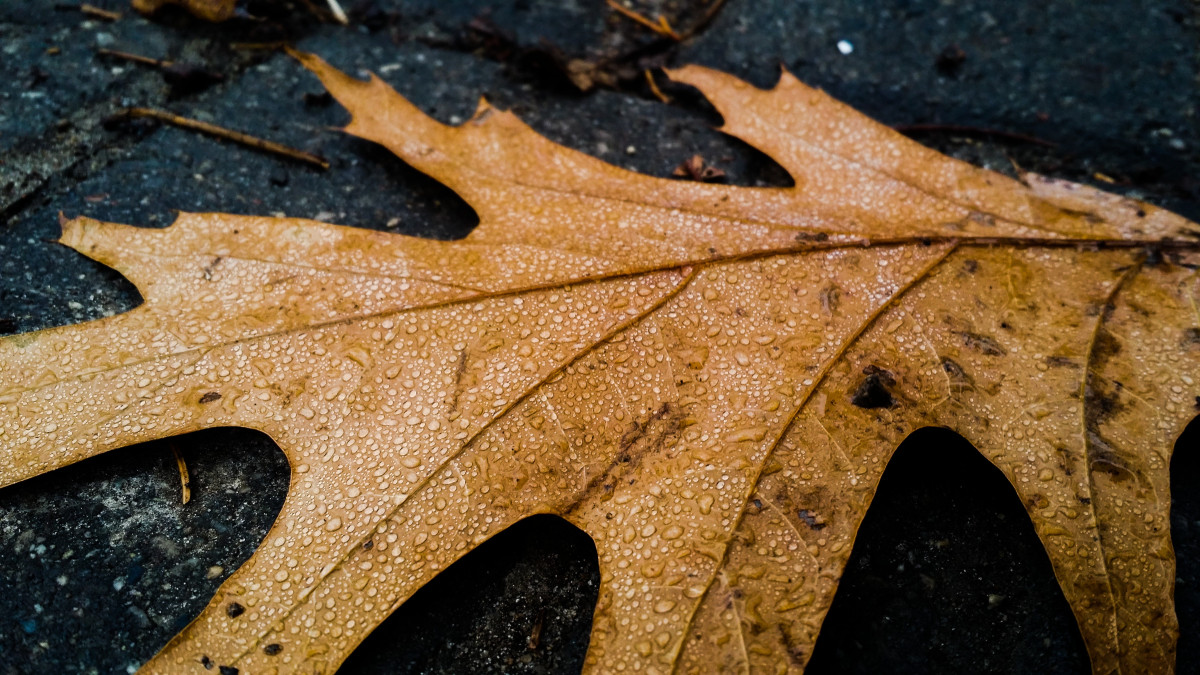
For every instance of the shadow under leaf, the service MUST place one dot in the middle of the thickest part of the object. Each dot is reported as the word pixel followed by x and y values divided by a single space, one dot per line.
pixel 947 576
pixel 101 563
pixel 521 602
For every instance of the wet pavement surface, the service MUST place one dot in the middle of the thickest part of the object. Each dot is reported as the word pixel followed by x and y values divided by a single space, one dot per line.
pixel 100 564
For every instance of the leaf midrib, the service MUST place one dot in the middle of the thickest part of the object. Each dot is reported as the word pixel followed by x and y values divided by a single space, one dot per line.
pixel 799 248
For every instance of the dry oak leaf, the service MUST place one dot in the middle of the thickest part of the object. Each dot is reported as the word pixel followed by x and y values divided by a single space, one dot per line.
pixel 209 10
pixel 707 379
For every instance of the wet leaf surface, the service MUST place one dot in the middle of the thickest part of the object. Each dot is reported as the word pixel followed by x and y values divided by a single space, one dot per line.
pixel 708 380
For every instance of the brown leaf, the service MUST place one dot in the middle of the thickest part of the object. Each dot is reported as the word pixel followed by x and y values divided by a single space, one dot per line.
pixel 209 10
pixel 707 379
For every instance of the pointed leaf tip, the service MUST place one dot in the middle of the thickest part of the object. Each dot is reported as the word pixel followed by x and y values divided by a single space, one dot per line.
pixel 385 124
pixel 337 82
pixel 112 244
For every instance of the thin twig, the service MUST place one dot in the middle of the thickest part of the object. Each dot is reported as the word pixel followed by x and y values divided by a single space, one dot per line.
pixel 654 87
pixel 98 13
pixel 136 58
pixel 185 478
pixel 181 76
pixel 972 131
pixel 228 134
pixel 661 26
pixel 338 13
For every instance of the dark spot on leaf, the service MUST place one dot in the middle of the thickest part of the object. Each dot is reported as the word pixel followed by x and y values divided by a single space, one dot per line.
pixel 873 391
pixel 1191 338
pixel 646 436
pixel 830 296
pixel 206 662
pixel 229 670
pixel 209 397
pixel 208 269
pixel 796 650
pixel 1154 256
pixel 959 379
pixel 272 649
pixel 971 266
pixel 234 610
pixel 1060 362
pixel 1113 466
pixel 810 236
pixel 811 519
pixel 1102 401
pixel 983 344
pixel 1105 347
pixel 985 219
pixel 952 368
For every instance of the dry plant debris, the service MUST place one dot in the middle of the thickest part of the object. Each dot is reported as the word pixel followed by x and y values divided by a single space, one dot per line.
pixel 707 379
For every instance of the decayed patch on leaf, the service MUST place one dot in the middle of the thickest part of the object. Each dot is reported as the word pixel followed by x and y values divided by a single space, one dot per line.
pixel 707 379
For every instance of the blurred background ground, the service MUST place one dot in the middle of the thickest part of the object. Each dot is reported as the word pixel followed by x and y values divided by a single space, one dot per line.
pixel 100 564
